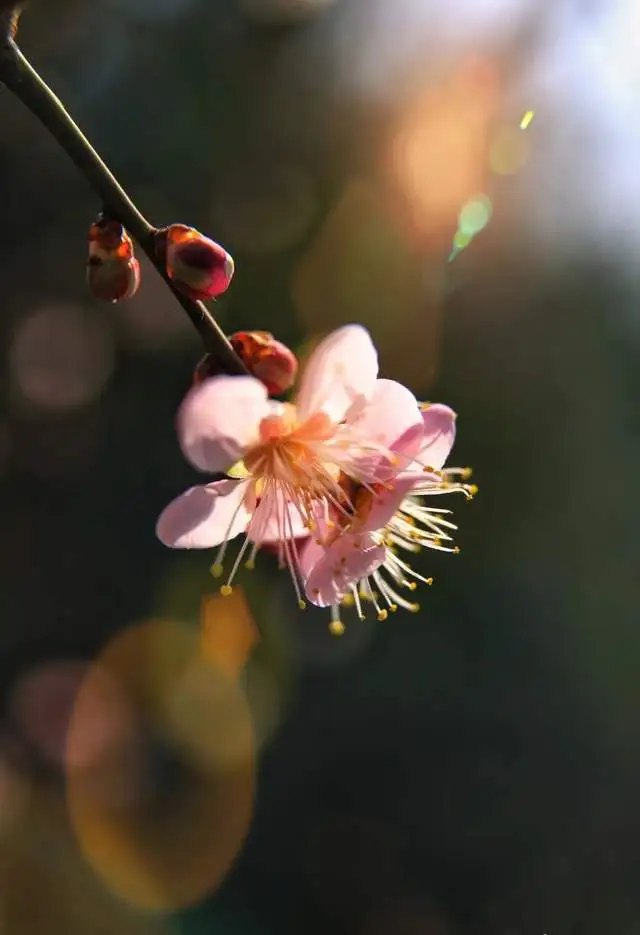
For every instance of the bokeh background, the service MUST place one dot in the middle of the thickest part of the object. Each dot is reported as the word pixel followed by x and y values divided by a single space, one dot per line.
pixel 176 765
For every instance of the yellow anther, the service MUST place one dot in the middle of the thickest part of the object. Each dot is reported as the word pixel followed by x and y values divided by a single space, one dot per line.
pixel 414 608
pixel 393 608
pixel 216 570
pixel 302 605
pixel 456 550
pixel 336 627
pixel 311 525
pixel 348 600
pixel 424 406
pixel 473 489
pixel 466 473
pixel 226 590
pixel 382 615
pixel 250 564
pixel 412 585
pixel 429 581
pixel 437 541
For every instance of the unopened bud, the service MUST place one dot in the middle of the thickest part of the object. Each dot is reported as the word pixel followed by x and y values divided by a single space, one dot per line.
pixel 268 360
pixel 197 266
pixel 113 273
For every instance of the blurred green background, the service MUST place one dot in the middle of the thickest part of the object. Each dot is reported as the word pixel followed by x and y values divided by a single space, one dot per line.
pixel 469 769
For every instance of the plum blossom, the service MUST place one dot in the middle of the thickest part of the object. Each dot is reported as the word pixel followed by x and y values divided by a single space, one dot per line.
pixel 285 461
pixel 387 519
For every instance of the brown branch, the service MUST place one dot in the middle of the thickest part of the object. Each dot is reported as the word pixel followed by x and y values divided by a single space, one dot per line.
pixel 18 75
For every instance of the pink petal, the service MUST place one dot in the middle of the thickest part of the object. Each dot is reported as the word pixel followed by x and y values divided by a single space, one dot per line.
pixel 349 559
pixel 276 519
pixel 219 419
pixel 392 421
pixel 204 516
pixel 387 503
pixel 340 373
pixel 439 422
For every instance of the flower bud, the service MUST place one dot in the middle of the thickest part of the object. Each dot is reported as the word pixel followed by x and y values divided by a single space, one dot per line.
pixel 113 273
pixel 197 266
pixel 268 360
pixel 113 280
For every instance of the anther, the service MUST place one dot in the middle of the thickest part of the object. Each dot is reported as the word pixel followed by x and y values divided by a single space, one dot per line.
pixel 336 627
pixel 250 564
pixel 302 605
pixel 226 590
pixel 382 615
pixel 216 570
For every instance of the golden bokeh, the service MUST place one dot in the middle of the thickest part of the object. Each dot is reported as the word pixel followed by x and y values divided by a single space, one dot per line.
pixel 154 705
pixel 437 157
pixel 228 631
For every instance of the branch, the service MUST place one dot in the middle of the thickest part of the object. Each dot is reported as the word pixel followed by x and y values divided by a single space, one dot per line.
pixel 27 85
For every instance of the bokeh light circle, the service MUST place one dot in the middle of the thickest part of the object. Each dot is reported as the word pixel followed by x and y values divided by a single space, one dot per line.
pixel 61 358
pixel 41 703
pixel 160 767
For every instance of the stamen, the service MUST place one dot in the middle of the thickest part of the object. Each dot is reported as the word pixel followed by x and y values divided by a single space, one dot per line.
pixel 336 626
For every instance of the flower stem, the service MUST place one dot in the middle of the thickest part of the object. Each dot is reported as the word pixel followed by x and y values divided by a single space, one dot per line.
pixel 17 74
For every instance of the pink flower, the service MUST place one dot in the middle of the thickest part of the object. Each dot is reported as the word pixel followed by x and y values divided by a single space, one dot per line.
pixel 362 561
pixel 287 461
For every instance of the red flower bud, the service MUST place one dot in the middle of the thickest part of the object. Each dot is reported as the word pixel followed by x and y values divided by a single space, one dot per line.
pixel 113 280
pixel 270 361
pixel 113 273
pixel 266 359
pixel 197 266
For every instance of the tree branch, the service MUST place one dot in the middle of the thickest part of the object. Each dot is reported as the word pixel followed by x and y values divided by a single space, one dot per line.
pixel 17 74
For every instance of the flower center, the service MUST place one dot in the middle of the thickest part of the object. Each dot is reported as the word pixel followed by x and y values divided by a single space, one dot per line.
pixel 293 457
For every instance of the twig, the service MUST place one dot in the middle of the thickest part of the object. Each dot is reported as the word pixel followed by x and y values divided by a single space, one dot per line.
pixel 18 75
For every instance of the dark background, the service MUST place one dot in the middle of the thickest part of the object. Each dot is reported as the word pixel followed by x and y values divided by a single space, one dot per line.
pixel 470 769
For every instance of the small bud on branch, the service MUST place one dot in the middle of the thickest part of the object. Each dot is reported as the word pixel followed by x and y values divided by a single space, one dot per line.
pixel 17 74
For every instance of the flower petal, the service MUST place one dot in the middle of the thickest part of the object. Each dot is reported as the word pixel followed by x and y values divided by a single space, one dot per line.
pixel 219 419
pixel 204 516
pixel 329 572
pixel 439 432
pixel 340 373
pixel 391 422
pixel 387 502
